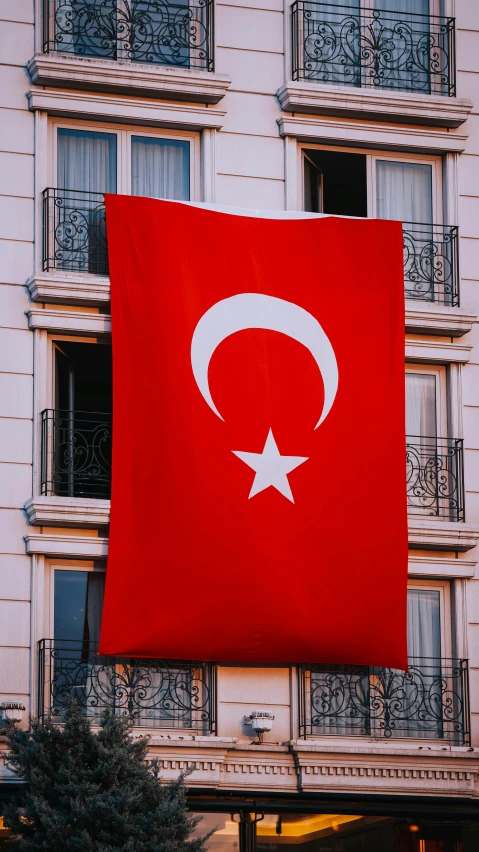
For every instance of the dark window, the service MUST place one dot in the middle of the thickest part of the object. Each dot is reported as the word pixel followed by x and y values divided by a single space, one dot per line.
pixel 342 181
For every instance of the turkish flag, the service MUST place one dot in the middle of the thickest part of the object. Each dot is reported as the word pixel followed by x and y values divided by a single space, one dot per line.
pixel 258 507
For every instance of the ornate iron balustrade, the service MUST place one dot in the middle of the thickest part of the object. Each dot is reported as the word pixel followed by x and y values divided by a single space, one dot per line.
pixel 431 267
pixel 153 693
pixel 76 453
pixel 74 231
pixel 435 477
pixel 158 32
pixel 373 48
pixel 430 701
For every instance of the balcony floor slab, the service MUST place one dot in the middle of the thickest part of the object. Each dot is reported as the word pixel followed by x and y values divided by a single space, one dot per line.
pixel 67 511
pixel 128 78
pixel 306 96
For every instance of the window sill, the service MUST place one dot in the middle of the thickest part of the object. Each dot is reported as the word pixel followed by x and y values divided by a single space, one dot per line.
pixel 128 78
pixel 379 105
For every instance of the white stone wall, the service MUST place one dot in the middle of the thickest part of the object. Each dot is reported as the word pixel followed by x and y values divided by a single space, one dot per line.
pixel 16 344
pixel 249 169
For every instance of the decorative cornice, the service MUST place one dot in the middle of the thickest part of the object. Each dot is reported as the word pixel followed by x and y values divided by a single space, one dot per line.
pixel 129 110
pixel 440 566
pixel 366 135
pixel 382 105
pixel 71 546
pixel 437 351
pixel 67 511
pixel 128 78
pixel 77 322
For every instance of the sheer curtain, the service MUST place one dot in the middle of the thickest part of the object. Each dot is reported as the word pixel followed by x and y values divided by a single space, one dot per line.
pixel 421 408
pixel 424 693
pixel 404 191
pixel 86 163
pixel 160 168
pixel 423 624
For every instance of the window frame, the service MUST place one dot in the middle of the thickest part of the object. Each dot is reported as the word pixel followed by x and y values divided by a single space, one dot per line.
pixel 442 408
pixel 372 156
pixel 124 134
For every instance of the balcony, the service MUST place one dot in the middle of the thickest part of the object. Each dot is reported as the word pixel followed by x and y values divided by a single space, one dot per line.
pixel 373 48
pixel 435 477
pixel 431 268
pixel 74 231
pixel 146 48
pixel 75 454
pixel 156 32
pixel 430 701
pixel 151 693
pixel 373 63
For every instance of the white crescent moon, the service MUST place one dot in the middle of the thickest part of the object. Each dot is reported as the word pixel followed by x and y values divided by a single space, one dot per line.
pixel 254 310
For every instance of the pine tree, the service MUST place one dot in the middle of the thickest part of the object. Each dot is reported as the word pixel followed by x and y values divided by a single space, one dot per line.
pixel 93 791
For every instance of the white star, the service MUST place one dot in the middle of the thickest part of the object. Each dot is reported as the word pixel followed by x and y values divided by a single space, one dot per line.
pixel 271 468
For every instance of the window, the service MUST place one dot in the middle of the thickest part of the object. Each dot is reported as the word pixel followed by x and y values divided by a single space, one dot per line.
pixel 427 702
pixel 89 161
pixel 347 183
pixel 76 432
pixel 154 693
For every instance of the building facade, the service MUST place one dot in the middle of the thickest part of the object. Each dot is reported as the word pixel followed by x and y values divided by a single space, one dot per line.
pixel 354 109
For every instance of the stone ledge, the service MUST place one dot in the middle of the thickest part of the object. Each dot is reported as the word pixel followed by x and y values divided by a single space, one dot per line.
pixel 379 105
pixel 67 511
pixel 71 546
pixel 430 318
pixel 129 78
pixel 58 288
pixel 77 322
pixel 432 534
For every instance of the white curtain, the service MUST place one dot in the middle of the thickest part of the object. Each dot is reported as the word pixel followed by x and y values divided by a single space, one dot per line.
pixel 86 161
pixel 160 168
pixel 404 191
pixel 421 418
pixel 403 7
pixel 423 624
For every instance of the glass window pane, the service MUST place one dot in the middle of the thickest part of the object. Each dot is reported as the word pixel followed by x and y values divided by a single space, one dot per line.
pixel 160 168
pixel 78 603
pixel 404 191
pixel 86 160
pixel 421 419
pixel 423 624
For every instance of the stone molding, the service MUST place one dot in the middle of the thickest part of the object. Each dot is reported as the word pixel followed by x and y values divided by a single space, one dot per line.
pixel 77 322
pixel 371 104
pixel 434 534
pixel 423 533
pixel 437 351
pixel 148 112
pixel 69 546
pixel 430 318
pixel 128 78
pixel 365 767
pixel 90 290
pixel 67 289
pixel 366 135
pixel 67 511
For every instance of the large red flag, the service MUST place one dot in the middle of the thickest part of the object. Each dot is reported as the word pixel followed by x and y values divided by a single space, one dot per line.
pixel 258 493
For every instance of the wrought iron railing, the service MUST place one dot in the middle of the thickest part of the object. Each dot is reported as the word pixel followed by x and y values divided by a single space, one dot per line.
pixel 373 48
pixel 431 267
pixel 157 32
pixel 75 453
pixel 429 701
pixel 435 477
pixel 152 693
pixel 74 231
